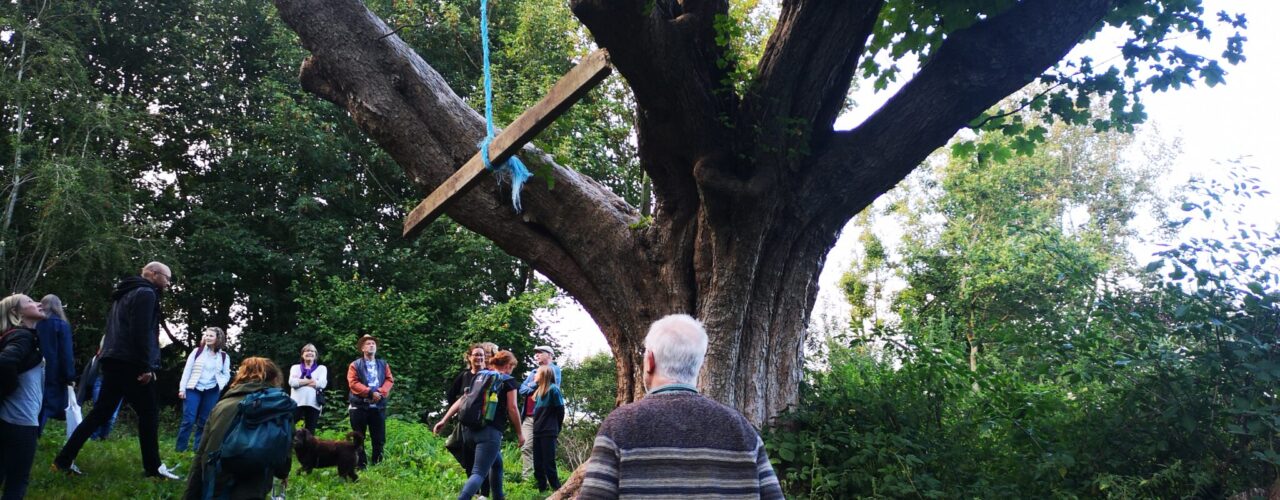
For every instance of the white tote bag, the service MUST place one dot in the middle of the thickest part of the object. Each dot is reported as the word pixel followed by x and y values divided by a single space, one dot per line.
pixel 73 412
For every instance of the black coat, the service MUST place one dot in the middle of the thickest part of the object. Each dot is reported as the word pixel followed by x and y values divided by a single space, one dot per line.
pixel 19 352
pixel 133 325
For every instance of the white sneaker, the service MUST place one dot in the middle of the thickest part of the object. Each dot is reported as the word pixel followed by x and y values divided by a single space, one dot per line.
pixel 167 473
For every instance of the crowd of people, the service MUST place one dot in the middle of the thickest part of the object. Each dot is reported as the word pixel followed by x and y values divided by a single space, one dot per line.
pixel 673 442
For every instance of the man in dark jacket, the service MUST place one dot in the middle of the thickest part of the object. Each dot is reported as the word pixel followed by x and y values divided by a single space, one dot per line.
pixel 130 357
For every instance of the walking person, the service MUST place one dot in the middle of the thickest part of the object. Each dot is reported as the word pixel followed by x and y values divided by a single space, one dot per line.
pixel 21 391
pixel 130 358
pixel 475 358
pixel 542 356
pixel 369 381
pixel 488 438
pixel 307 381
pixel 207 371
pixel 59 367
pixel 254 375
pixel 548 418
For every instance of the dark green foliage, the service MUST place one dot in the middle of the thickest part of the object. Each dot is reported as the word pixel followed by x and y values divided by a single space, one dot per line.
pixel 1162 390
pixel 590 388
pixel 590 391
pixel 178 132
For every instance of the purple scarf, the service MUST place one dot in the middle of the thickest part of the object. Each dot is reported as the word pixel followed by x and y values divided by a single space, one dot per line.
pixel 306 372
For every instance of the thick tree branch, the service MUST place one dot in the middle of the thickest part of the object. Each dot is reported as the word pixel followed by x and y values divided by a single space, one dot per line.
pixel 807 68
pixel 971 71
pixel 577 234
pixel 666 51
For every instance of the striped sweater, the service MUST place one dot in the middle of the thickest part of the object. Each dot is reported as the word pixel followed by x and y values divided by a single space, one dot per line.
pixel 678 444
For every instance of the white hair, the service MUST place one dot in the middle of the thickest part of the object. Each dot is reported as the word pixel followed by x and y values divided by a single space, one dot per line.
pixel 679 344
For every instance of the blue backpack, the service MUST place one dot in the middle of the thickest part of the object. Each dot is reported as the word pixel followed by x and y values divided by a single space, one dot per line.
pixel 258 441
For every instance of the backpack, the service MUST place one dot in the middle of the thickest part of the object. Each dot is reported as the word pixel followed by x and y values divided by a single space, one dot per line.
pixel 259 439
pixel 480 404
pixel 200 351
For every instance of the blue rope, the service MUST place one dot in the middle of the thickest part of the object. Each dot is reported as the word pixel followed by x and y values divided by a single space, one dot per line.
pixel 513 168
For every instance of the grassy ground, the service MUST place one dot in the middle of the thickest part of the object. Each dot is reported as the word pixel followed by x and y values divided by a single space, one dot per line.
pixel 415 466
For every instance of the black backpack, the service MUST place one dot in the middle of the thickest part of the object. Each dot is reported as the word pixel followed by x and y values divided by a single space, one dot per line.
pixel 480 403
pixel 259 440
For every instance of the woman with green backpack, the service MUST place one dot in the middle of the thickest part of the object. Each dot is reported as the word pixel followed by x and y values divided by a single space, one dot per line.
pixel 258 379
pixel 489 404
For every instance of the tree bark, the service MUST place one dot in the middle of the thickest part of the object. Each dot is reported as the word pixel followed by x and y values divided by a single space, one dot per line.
pixel 750 192
pixel 15 186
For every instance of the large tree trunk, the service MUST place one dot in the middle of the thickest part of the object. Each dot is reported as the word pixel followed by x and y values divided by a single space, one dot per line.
pixel 750 193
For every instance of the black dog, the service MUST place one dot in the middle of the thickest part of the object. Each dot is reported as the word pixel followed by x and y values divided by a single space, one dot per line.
pixel 313 452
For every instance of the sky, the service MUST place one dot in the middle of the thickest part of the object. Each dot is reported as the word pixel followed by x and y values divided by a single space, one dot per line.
pixel 1214 125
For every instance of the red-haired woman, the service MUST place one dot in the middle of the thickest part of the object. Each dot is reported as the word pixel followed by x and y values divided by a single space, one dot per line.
pixel 255 374
pixel 488 439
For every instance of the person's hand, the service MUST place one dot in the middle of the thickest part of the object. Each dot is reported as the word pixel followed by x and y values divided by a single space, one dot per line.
pixel 520 439
pixel 182 394
pixel 377 396
pixel 146 378
pixel 311 382
pixel 438 427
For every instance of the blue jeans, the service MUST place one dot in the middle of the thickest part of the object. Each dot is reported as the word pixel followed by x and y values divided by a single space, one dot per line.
pixel 488 464
pixel 195 409
pixel 105 429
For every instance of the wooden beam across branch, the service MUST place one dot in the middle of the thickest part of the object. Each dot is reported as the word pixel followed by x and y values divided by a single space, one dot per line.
pixel 571 87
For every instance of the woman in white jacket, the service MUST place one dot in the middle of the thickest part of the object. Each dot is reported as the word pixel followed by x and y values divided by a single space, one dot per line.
pixel 207 371
pixel 307 380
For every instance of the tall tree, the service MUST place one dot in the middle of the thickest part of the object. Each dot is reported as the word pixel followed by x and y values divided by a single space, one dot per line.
pixel 751 182
pixel 1011 253
pixel 66 194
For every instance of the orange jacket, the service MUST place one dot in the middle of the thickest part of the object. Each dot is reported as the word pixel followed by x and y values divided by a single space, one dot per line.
pixel 359 389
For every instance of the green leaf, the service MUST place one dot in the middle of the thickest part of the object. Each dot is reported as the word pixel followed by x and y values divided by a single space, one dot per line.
pixel 1256 288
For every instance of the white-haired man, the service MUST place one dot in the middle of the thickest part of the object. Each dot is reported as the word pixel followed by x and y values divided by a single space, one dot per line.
pixel 676 442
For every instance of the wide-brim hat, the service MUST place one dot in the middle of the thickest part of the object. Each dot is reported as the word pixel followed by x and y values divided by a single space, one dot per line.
pixel 545 348
pixel 360 343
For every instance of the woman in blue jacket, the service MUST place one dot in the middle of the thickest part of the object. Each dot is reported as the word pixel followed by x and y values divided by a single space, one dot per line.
pixel 548 418
pixel 59 368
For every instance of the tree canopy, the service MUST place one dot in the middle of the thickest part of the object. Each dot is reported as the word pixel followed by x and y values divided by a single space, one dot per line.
pixel 751 183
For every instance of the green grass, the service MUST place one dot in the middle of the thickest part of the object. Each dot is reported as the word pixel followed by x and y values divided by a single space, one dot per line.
pixel 415 465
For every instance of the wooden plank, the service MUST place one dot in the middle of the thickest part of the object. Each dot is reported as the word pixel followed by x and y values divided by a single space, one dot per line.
pixel 571 87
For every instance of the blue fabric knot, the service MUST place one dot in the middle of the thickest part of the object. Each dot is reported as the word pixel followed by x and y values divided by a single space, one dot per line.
pixel 513 170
